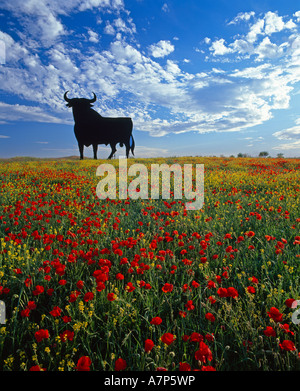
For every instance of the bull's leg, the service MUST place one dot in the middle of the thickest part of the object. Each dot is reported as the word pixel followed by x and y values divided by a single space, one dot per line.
pixel 80 150
pixel 95 148
pixel 113 150
pixel 127 149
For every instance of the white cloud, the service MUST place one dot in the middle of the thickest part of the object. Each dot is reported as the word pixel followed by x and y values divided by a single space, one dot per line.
pixel 288 134
pixel 161 49
pixel 288 146
pixel 165 7
pixel 26 113
pixel 38 18
pixel 4 136
pixel 267 49
pixel 257 42
pixel 292 133
pixel 255 30
pixel 297 15
pixel 121 26
pixel 242 46
pixel 173 68
pixel 219 49
pixel 275 23
pixel 244 16
pixel 41 18
pixel 93 36
pixel 90 4
pixel 109 29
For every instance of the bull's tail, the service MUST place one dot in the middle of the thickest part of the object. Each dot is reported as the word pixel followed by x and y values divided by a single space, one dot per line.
pixel 132 145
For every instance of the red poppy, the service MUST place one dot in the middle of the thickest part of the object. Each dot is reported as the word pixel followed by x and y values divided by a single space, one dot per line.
pixel 120 364
pixel 148 345
pixel 167 287
pixel 73 297
pixel 41 334
pixel 211 284
pixel 195 284
pixel 251 289
pixel 67 335
pixel 88 296
pixel 184 366
pixel 36 368
pixel 196 337
pixel 129 287
pixel 275 314
pixel 80 284
pixel 84 364
pixel 66 319
pixel 232 292
pixel 253 279
pixel 100 286
pixel 287 345
pixel 25 313
pixel 204 353
pixel 289 302
pixel 269 332
pixel 222 292
pixel 111 296
pixel 156 321
pixel 168 338
pixel 209 316
pixel 56 311
pixel 207 368
pixel 38 290
pixel 189 305
pixel 285 327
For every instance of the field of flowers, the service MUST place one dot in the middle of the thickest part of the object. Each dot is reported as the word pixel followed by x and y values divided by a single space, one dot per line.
pixel 92 284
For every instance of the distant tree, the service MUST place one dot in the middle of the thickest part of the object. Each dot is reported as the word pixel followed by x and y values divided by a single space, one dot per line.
pixel 280 155
pixel 263 154
pixel 242 155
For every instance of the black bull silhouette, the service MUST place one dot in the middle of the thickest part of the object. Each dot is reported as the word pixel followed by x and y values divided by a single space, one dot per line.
pixel 92 129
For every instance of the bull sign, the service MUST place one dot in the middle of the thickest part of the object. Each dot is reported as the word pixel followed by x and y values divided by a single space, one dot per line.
pixel 92 129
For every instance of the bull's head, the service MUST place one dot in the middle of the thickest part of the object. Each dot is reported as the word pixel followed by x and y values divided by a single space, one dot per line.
pixel 79 102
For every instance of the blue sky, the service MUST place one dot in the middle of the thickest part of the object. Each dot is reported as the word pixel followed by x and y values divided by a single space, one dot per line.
pixel 197 77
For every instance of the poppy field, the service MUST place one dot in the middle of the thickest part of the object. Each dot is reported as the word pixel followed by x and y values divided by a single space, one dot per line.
pixel 145 285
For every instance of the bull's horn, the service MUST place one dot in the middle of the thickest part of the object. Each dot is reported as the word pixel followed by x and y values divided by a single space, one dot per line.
pixel 65 97
pixel 94 99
